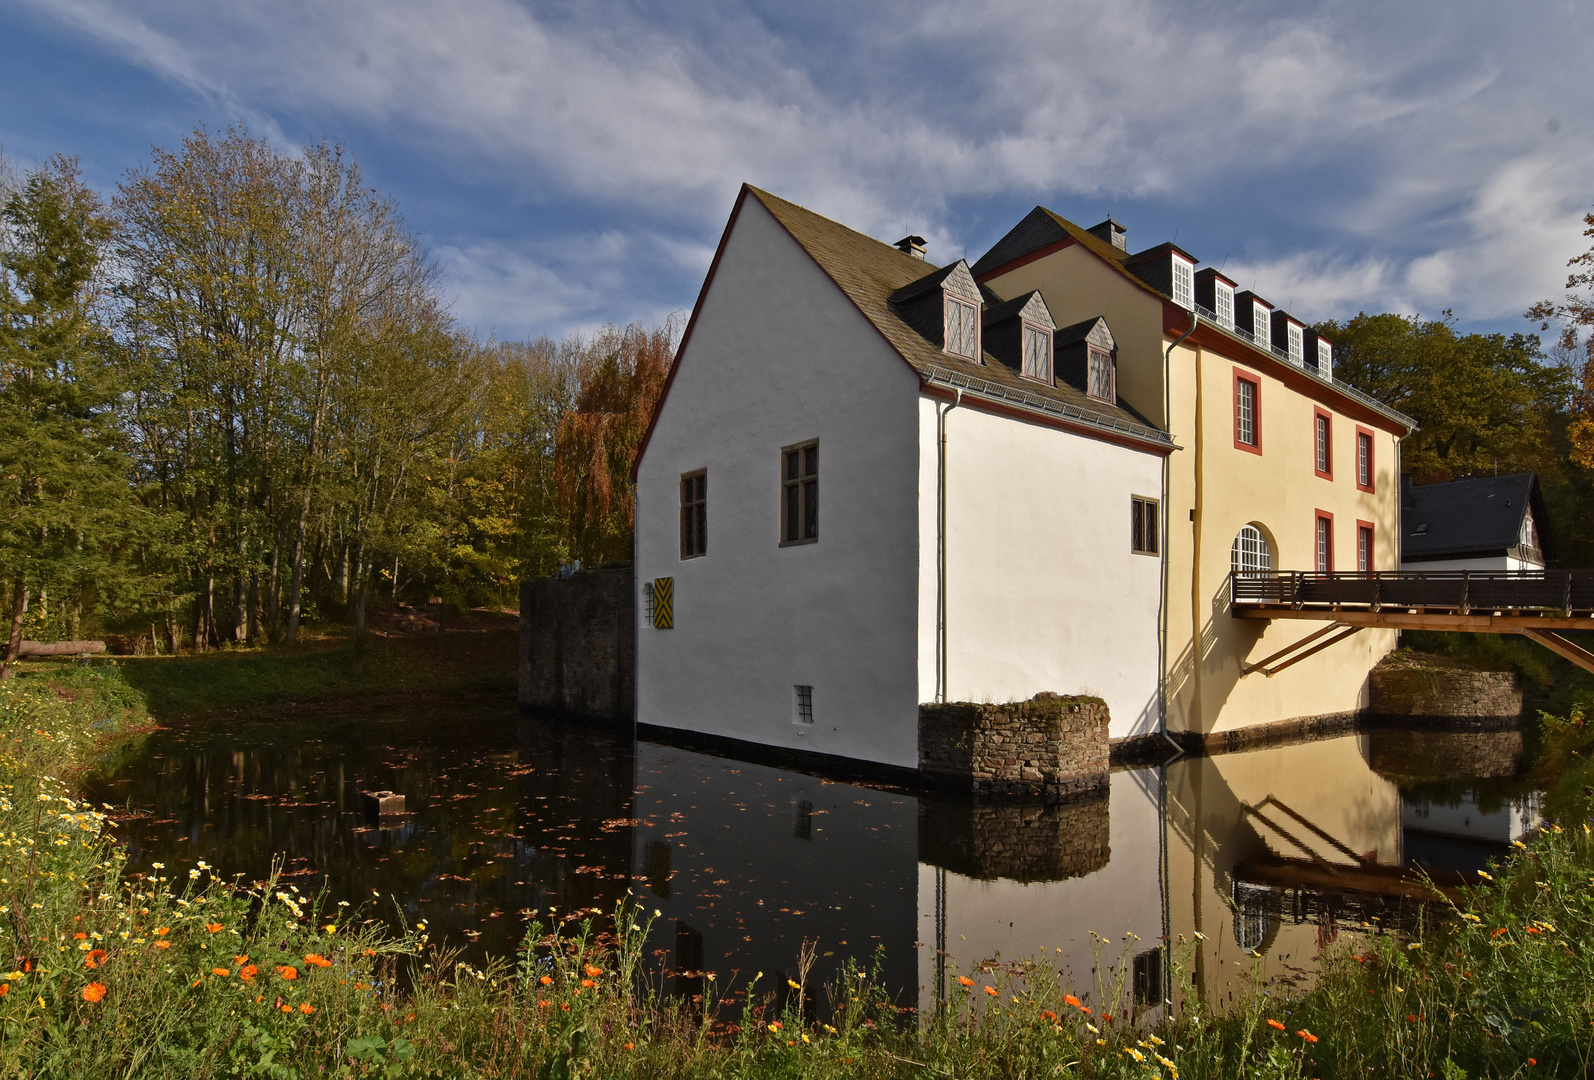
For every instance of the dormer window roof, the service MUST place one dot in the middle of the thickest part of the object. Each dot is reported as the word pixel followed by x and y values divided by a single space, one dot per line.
pixel 1169 269
pixel 1018 332
pixel 1215 292
pixel 1290 335
pixel 1319 354
pixel 944 306
pixel 1254 315
pixel 1087 358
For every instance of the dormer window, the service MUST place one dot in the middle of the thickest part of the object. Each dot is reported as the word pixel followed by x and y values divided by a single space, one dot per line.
pixel 1261 324
pixel 1325 359
pixel 1296 344
pixel 1101 378
pixel 1223 304
pixel 1037 363
pixel 1183 283
pixel 962 328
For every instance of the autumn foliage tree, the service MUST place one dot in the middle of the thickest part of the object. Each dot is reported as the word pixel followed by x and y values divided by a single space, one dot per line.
pixel 1575 315
pixel 599 439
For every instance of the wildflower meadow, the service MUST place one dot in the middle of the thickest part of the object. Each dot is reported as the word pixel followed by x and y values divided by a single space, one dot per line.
pixel 190 972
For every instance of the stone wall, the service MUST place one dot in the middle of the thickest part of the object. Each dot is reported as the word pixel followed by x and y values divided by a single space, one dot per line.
pixel 1018 841
pixel 1049 746
pixel 1406 685
pixel 578 644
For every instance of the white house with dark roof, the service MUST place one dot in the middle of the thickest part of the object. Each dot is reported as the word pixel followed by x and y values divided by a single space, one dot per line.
pixel 869 484
pixel 1475 523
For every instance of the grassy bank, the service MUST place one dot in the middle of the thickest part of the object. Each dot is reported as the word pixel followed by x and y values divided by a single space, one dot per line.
pixel 472 662
pixel 192 974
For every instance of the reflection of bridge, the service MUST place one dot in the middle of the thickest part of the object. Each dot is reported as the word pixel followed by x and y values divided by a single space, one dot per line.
pixel 1533 603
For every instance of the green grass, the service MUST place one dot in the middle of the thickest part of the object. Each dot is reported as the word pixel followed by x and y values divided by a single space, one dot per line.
pixel 186 973
pixel 227 680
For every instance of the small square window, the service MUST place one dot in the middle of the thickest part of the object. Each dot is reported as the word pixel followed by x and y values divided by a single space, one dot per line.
pixel 1143 525
pixel 803 712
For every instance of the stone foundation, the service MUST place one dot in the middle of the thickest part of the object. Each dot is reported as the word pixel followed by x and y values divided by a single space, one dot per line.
pixel 1050 746
pixel 1403 685
pixel 578 644
pixel 1017 841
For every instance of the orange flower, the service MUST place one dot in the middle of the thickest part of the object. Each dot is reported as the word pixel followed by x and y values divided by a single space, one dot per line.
pixel 588 983
pixel 991 990
pixel 162 931
pixel 546 980
pixel 1068 999
pixel 248 972
pixel 240 960
pixel 1307 1035
pixel 93 991
pixel 287 971
pixel 318 960
pixel 544 1004
pixel 214 927
pixel 630 1046
pixel 370 952
pixel 1497 933
pixel 1411 1018
pixel 774 1025
pixel 163 944
pixel 1533 1061
pixel 565 1006
pixel 287 1009
pixel 306 1008
pixel 1275 1024
pixel 220 971
pixel 965 980
pixel 94 959
pixel 1104 1016
pixel 593 972
pixel 1048 1015
pixel 79 936
pixel 5 988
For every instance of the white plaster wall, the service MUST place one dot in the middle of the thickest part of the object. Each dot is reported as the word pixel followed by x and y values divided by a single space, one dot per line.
pixel 1043 592
pixel 1498 562
pixel 1015 921
pixel 778 356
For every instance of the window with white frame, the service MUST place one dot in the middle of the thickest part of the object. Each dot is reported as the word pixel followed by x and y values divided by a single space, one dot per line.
pixel 1262 324
pixel 1364 460
pixel 1223 303
pixel 962 328
pixel 1325 544
pixel 1250 554
pixel 1297 343
pixel 1101 380
pixel 1364 549
pixel 1245 391
pixel 1183 283
pixel 1324 438
pixel 1325 359
pixel 1037 353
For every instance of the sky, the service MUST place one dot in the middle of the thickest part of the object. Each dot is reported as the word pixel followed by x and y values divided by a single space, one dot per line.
pixel 571 164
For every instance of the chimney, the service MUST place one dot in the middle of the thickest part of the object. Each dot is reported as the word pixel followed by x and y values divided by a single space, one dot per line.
pixel 1110 232
pixel 911 245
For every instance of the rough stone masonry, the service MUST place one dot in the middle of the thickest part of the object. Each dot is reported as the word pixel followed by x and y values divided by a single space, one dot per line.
pixel 1049 746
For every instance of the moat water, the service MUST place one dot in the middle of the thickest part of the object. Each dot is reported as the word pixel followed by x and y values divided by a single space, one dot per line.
pixel 1273 853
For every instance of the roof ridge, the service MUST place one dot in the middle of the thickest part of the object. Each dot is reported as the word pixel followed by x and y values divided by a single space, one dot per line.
pixel 766 197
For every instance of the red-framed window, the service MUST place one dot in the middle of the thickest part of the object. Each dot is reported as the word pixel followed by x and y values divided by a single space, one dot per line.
pixel 1323 542
pixel 1322 443
pixel 1247 412
pixel 1364 547
pixel 1364 458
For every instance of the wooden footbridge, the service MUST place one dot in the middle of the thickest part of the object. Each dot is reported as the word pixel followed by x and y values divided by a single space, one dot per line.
pixel 1537 604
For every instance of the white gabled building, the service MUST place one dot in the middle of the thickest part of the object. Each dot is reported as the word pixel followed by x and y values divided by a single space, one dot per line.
pixel 792 490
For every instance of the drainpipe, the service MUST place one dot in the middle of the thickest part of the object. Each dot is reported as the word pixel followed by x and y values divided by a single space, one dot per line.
pixel 1162 594
pixel 940 548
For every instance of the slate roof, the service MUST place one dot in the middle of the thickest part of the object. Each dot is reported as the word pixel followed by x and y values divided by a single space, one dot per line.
pixel 870 272
pixel 1042 228
pixel 1476 516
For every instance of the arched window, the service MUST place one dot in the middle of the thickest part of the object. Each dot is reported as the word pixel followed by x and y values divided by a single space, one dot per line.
pixel 1251 554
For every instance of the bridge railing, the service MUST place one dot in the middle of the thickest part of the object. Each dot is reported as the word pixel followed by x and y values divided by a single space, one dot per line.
pixel 1567 591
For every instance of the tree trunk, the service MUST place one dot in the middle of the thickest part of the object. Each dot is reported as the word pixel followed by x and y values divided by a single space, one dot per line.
pixel 296 582
pixel 252 627
pixel 395 580
pixel 174 636
pixel 199 619
pixel 357 598
pixel 343 572
pixel 19 611
pixel 274 591
pixel 240 616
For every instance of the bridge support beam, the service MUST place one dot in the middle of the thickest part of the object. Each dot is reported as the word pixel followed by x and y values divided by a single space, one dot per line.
pixel 1298 651
pixel 1561 647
